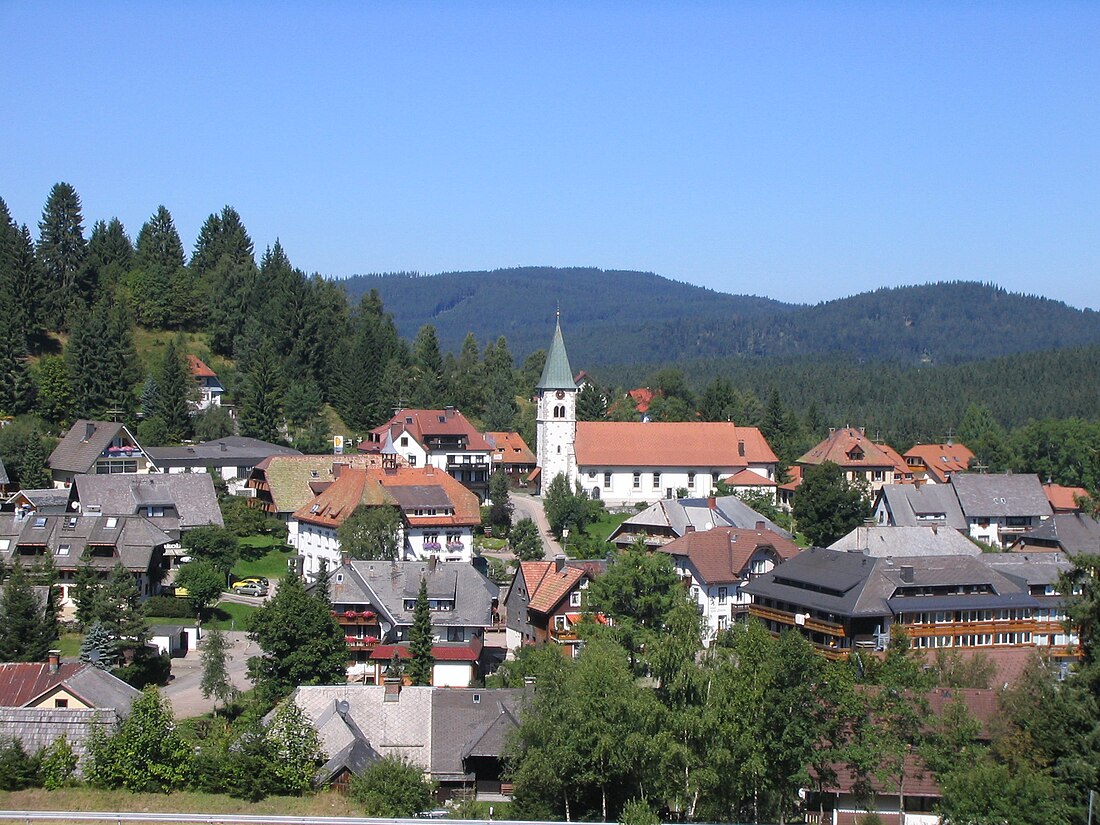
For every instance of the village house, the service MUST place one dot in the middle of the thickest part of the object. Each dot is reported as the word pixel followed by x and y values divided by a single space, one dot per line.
pixel 862 460
pixel 79 538
pixel 1065 499
pixel 512 455
pixel 174 503
pixel 437 514
pixel 715 565
pixel 546 601
pixel 872 539
pixel 629 463
pixel 210 389
pixel 1069 533
pixel 664 521
pixel 102 447
pixel 845 602
pixel 456 736
pixel 374 601
pixel 233 457
pixel 1000 508
pixel 936 463
pixel 281 484
pixel 51 501
pixel 443 439
pixel 43 702
pixel 911 505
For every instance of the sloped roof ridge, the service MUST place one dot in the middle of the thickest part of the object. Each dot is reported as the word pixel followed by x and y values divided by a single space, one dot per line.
pixel 556 373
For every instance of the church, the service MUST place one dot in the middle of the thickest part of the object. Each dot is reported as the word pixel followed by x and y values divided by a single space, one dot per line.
pixel 636 462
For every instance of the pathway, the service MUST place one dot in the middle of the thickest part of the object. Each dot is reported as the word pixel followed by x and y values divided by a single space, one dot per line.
pixel 185 692
pixel 530 507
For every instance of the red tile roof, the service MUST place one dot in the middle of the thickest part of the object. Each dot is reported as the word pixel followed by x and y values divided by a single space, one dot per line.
pixel 667 444
pixel 371 487
pixel 642 396
pixel 546 586
pixel 851 449
pixel 423 425
pixel 24 681
pixel 1064 499
pixel 441 653
pixel 748 478
pixel 795 473
pixel 199 369
pixel 722 555
pixel 941 460
pixel 509 448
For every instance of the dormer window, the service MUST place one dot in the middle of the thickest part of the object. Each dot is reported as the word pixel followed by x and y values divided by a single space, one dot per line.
pixel 316 508
pixel 70 522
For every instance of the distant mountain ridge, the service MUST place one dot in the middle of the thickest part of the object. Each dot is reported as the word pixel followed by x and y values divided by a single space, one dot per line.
pixel 620 317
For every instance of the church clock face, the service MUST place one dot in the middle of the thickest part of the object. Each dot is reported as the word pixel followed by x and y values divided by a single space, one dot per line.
pixel 560 394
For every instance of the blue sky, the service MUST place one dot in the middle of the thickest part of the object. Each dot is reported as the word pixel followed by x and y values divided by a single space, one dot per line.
pixel 803 151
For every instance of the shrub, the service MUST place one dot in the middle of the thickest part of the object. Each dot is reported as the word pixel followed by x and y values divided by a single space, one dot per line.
pixel 392 787
pixel 58 764
pixel 18 770
pixel 168 607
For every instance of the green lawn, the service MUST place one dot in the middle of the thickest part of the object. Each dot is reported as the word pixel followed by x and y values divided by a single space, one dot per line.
pixel 271 565
pixel 69 645
pixel 606 525
pixel 324 803
pixel 226 616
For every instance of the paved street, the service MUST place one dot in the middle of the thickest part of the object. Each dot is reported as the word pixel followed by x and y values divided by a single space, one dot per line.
pixel 184 690
pixel 527 506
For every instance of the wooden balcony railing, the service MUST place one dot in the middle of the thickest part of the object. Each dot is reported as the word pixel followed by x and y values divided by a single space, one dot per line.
pixel 784 617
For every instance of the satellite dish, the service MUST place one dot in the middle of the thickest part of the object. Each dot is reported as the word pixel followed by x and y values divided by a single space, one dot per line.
pixel 709 525
pixel 342 707
pixel 75 505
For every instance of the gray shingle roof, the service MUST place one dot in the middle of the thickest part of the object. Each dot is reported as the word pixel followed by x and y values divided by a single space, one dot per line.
pixel 556 373
pixel 192 495
pixel 1071 532
pixel 911 505
pixel 1000 495
pixel 134 538
pixel 4 474
pixel 38 728
pixel 882 541
pixel 84 443
pixel 678 515
pixel 230 451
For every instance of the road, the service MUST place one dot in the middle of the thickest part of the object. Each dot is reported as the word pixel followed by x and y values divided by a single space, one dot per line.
pixel 184 691
pixel 530 507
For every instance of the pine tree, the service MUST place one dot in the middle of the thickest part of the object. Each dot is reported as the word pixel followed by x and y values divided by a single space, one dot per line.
pixel 159 273
pixel 261 400
pixel 215 674
pixel 96 647
pixel 110 254
pixel 33 473
pixel 63 254
pixel 421 661
pixel 430 388
pixel 174 388
pixel 28 630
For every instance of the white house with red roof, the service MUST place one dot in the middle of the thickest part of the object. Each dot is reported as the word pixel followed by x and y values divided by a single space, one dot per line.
pixel 210 386
pixel 444 439
pixel 936 463
pixel 861 459
pixel 627 463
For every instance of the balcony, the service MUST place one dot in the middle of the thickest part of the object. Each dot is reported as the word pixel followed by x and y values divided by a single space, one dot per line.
pixel 455 546
pixel 354 618
pixel 361 643
pixel 810 623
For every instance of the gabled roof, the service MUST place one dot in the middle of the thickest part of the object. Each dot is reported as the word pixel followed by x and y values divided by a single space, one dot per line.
pixel 425 425
pixel 882 541
pixel 1072 533
pixel 288 477
pixel 942 460
pixel 556 373
pixel 123 494
pixel 84 443
pixel 509 448
pixel 719 445
pixel 748 478
pixel 852 449
pixel 643 397
pixel 24 682
pixel 51 499
pixel 1064 499
pixel 911 505
pixel 198 369
pixel 677 515
pixel 722 555
pixel 133 538
pixel 1000 495
pixel 233 450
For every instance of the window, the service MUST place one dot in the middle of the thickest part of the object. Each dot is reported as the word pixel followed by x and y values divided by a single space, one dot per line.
pixel 715 478
pixel 412 459
pixel 60 703
pixel 723 622
pixel 404 441
pixel 70 522
pixel 656 480
pixel 877 475
pixel 591 473
pixel 637 481
pixel 456 634
pixel 39 523
pixel 63 549
pixel 5 544
pixel 607 481
pixel 575 598
pixel 155 512
pixel 691 481
pixel 112 522
pixel 722 592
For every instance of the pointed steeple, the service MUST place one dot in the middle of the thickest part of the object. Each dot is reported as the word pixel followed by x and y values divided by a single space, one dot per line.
pixel 557 375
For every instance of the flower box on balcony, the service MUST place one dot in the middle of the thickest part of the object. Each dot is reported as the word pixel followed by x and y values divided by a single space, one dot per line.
pixel 431 545
pixel 454 545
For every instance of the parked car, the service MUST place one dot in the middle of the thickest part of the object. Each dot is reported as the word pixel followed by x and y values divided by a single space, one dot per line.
pixel 250 589
pixel 250 580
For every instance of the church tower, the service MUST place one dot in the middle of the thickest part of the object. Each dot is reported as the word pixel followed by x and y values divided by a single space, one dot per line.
pixel 556 416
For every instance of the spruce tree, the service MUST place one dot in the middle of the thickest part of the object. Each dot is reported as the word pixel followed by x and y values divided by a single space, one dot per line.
pixel 31 290
pixel 361 395
pixel 174 388
pixel 261 398
pixel 96 647
pixel 421 661
pixel 468 384
pixel 33 473
pixel 63 254
pixel 430 387
pixel 122 613
pixel 16 388
pixel 110 254
pixel 86 594
pixel 159 273
pixel 29 626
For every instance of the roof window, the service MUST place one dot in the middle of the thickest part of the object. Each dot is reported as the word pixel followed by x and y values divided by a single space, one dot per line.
pixel 63 549
pixel 112 521
pixel 40 522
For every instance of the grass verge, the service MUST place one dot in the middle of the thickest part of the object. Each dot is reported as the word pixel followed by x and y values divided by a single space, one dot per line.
pixel 272 564
pixel 326 803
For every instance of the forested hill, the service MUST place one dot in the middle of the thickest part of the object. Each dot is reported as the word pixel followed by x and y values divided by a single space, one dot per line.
pixel 617 317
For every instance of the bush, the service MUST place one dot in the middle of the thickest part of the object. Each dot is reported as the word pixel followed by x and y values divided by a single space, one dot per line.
pixel 392 787
pixel 58 764
pixel 168 607
pixel 638 812
pixel 147 668
pixel 18 770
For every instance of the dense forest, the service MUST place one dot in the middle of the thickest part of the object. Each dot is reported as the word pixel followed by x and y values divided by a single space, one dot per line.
pixel 97 325
pixel 616 317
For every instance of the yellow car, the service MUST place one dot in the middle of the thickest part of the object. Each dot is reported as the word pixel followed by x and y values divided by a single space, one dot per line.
pixel 247 580
pixel 181 592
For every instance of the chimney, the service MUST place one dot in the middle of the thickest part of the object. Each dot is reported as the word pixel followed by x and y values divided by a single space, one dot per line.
pixel 907 573
pixel 429 469
pixel 89 430
pixel 222 447
pixel 741 448
pixel 760 525
pixel 689 529
pixel 832 430
pixel 433 560
pixel 337 469
pixel 54 661
pixel 712 503
pixel 559 563
pixel 345 559
pixel 393 689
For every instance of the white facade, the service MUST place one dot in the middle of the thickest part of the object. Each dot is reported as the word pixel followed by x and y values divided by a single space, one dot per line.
pixel 1001 531
pixel 556 434
pixel 618 486
pixel 445 543
pixel 719 604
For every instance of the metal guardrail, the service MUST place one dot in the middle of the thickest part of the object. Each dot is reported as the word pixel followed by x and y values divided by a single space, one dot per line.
pixel 258 819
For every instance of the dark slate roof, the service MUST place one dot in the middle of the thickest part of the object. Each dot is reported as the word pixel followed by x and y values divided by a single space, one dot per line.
pixel 134 538
pixel 83 444
pixel 1000 495
pixel 387 585
pixel 1070 532
pixel 678 515
pixel 121 494
pixel 1030 568
pixel 879 540
pixel 38 728
pixel 421 496
pixel 470 722
pixel 556 374
pixel 51 499
pixel 909 502
pixel 232 450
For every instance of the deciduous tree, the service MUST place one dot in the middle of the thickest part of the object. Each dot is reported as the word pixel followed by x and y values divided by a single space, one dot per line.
pixel 826 506
pixel 371 533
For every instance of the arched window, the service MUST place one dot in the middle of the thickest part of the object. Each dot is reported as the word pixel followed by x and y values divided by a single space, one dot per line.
pixel 559 411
